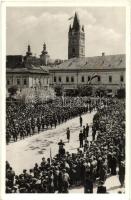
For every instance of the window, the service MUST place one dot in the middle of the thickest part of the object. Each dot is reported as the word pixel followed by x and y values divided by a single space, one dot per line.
pixel 25 82
pixel 121 78
pixel 110 79
pixel 18 81
pixel 59 79
pixel 82 79
pixel 67 79
pixel 89 78
pixel 99 78
pixel 54 78
pixel 72 79
pixel 8 82
pixel 73 50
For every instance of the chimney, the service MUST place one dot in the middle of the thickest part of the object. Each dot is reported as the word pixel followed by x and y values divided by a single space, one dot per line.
pixel 103 53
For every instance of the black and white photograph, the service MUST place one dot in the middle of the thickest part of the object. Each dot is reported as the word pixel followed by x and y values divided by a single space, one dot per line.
pixel 65 99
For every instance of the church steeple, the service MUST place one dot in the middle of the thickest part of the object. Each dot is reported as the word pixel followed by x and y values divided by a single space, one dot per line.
pixel 76 22
pixel 44 49
pixel 44 57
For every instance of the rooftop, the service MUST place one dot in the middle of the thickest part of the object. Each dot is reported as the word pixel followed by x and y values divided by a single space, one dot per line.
pixel 96 62
pixel 31 70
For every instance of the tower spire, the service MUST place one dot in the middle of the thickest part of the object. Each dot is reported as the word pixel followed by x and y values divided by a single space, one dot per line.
pixel 76 22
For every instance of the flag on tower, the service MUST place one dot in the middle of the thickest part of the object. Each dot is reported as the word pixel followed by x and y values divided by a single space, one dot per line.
pixel 70 18
pixel 94 75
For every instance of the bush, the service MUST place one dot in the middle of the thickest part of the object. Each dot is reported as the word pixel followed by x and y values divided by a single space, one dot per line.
pixel 12 90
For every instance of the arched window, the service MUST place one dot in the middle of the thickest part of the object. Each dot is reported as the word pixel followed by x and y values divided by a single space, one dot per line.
pixel 67 79
pixel 54 78
pixel 82 79
pixel 25 82
pixel 99 78
pixel 73 50
pixel 59 79
pixel 110 79
pixel 72 79
pixel 121 78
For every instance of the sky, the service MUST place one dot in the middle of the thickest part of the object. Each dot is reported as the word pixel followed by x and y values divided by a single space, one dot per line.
pixel 104 30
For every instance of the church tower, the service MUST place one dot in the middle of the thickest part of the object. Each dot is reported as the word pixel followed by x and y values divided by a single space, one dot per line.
pixel 44 57
pixel 76 39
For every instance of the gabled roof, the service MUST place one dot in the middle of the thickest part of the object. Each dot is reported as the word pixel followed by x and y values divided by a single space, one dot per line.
pixel 97 62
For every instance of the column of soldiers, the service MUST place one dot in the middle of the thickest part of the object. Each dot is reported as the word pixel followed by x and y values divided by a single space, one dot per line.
pixel 27 119
pixel 93 162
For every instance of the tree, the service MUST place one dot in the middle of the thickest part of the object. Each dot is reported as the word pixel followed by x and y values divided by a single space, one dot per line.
pixel 58 90
pixel 85 90
pixel 12 90
pixel 121 93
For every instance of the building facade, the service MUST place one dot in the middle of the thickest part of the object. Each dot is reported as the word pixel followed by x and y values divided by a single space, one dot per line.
pixel 27 78
pixel 74 73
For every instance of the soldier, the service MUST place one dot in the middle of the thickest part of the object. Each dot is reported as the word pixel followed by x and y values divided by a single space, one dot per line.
pixel 33 125
pixel 68 134
pixel 93 132
pixel 38 123
pixel 27 127
pixel 22 135
pixel 8 137
pixel 122 173
pixel 87 130
pixel 55 122
pixel 81 139
pixel 84 132
pixel 81 121
pixel 43 122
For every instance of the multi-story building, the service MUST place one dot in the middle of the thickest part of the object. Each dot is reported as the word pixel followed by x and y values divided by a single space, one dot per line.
pixel 109 72
pixel 27 77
